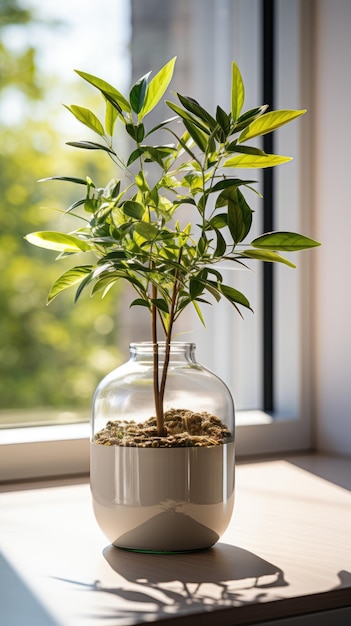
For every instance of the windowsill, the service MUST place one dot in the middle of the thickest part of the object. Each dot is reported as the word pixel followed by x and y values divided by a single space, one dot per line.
pixel 44 451
pixel 38 434
pixel 285 554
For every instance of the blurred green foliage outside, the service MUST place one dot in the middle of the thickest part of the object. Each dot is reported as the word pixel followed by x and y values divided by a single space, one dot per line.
pixel 50 357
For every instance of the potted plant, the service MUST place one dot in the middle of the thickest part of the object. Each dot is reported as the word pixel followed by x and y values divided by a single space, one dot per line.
pixel 163 426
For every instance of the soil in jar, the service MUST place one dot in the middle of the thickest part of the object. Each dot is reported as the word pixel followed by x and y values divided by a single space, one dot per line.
pixel 183 428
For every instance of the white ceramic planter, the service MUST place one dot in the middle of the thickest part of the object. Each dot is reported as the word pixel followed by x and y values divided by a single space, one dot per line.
pixel 163 499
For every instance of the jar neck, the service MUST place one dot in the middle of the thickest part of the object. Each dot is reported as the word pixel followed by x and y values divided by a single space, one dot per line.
pixel 179 351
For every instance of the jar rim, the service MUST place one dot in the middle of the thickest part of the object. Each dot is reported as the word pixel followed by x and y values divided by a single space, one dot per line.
pixel 181 345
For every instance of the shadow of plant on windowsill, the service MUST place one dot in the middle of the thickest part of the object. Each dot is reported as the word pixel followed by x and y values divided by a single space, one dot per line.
pixel 163 585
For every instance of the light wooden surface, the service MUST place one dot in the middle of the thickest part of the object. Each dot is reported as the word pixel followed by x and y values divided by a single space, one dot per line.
pixel 287 553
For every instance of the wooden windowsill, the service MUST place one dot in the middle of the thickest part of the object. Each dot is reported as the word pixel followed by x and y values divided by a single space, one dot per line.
pixel 286 553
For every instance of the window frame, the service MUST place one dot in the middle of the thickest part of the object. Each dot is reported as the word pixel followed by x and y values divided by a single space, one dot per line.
pixel 63 450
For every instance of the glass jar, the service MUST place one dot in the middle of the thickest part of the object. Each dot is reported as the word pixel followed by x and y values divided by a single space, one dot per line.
pixel 171 493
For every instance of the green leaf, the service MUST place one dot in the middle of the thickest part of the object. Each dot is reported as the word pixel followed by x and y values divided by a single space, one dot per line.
pixel 112 188
pixel 234 296
pixel 221 246
pixel 238 92
pixel 68 279
pixel 239 213
pixel 140 302
pixel 230 182
pixel 160 304
pixel 75 205
pixel 217 221
pixel 186 116
pixel 194 182
pixel 224 121
pixel 106 89
pixel 216 273
pixel 212 288
pixel 110 118
pixel 104 285
pixel 249 116
pixel 199 312
pixel 134 209
pixel 115 256
pixel 141 181
pixel 194 107
pixel 91 205
pixel 151 154
pixel 86 281
pixel 135 155
pixel 197 135
pixel 146 230
pixel 158 154
pixel 157 87
pixel 234 147
pixel 202 245
pixel 256 161
pixel 69 179
pixel 269 122
pixel 57 241
pixel 89 145
pixel 286 241
pixel 239 216
pixel 196 287
pixel 235 221
pixel 137 93
pixel 86 117
pixel 136 131
pixel 268 256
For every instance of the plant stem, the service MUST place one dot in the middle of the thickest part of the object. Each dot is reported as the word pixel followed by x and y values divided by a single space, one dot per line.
pixel 169 336
pixel 157 396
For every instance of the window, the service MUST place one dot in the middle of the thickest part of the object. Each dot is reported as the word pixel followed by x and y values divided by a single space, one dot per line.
pixel 206 36
pixel 39 346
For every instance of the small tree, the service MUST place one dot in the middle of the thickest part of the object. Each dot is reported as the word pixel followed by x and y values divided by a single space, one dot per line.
pixel 132 225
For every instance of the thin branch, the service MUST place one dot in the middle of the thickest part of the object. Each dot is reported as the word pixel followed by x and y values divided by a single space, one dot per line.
pixel 158 406
pixel 169 332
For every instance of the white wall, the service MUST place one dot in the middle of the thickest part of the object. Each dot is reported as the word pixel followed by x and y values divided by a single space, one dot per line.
pixel 332 195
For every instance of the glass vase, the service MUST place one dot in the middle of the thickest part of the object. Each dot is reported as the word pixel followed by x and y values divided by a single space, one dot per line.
pixel 169 492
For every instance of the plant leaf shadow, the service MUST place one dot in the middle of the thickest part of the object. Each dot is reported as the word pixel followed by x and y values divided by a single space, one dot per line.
pixel 345 579
pixel 164 585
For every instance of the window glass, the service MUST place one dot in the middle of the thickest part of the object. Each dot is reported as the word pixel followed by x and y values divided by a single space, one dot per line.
pixel 206 36
pixel 51 358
